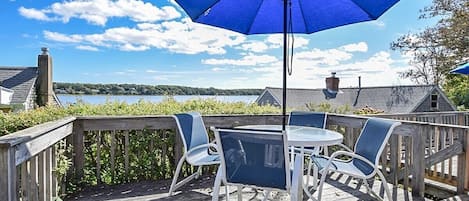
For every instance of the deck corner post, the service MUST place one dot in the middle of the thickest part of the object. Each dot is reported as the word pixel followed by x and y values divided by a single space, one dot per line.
pixel 7 173
pixel 418 151
pixel 78 149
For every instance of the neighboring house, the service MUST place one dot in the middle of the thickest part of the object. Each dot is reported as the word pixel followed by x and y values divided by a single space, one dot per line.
pixel 28 87
pixel 391 100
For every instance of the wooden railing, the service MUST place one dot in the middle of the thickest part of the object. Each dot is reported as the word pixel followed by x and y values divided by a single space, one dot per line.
pixel 28 161
pixel 113 150
pixel 439 139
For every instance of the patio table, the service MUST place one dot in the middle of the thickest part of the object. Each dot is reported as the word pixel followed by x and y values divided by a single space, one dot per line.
pixel 303 136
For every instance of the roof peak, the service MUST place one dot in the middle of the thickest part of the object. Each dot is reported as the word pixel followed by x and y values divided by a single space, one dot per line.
pixel 15 67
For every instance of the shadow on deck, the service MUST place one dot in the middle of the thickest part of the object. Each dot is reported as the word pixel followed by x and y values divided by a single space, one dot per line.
pixel 338 187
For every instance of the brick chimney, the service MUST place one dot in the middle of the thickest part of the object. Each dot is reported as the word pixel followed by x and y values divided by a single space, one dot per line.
pixel 332 83
pixel 45 94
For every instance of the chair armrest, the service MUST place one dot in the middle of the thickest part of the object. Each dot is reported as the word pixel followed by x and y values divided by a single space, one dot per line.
pixel 353 155
pixel 205 146
pixel 345 147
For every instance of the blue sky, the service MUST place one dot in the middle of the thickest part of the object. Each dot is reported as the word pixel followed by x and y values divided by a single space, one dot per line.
pixel 153 42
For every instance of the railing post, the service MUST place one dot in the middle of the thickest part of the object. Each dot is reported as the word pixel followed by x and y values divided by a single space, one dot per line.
pixel 7 173
pixel 78 145
pixel 462 162
pixel 465 137
pixel 418 169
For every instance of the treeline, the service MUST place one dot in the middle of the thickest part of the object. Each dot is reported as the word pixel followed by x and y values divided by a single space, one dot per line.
pixel 137 89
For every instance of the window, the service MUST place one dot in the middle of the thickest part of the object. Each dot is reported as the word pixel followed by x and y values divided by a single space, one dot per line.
pixel 434 101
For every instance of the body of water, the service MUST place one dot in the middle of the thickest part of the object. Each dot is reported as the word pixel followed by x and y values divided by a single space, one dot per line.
pixel 99 99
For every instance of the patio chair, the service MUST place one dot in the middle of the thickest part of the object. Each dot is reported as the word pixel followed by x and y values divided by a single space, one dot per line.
pixel 364 160
pixel 311 119
pixel 196 147
pixel 257 159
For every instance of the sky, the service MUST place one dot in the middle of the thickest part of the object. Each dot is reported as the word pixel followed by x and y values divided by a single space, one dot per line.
pixel 154 42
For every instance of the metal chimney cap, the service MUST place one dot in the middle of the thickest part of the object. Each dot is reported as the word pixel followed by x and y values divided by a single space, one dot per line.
pixel 45 50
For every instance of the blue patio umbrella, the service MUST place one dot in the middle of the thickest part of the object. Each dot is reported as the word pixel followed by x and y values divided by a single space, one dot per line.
pixel 283 16
pixel 463 69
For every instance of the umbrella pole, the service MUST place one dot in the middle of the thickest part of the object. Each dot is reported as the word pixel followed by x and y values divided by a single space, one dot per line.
pixel 284 102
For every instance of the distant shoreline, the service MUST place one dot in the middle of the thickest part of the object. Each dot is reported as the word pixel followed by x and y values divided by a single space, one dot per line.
pixel 143 90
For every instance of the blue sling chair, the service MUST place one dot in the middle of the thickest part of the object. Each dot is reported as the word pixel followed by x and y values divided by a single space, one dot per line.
pixel 196 147
pixel 364 163
pixel 310 119
pixel 257 159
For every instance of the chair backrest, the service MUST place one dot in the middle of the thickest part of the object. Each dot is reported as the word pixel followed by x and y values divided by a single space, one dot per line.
pixel 254 158
pixel 192 129
pixel 311 119
pixel 371 142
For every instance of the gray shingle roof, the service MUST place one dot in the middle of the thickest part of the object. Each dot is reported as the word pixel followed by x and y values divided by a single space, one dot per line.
pixel 394 99
pixel 21 80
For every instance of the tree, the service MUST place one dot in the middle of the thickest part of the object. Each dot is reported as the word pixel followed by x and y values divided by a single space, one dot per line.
pixel 438 49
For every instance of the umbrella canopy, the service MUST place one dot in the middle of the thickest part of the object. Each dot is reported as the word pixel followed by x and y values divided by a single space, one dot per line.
pixel 283 16
pixel 463 69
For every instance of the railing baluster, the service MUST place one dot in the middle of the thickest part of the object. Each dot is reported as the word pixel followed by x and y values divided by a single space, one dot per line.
pixel 450 161
pixel 462 161
pixel 394 159
pixel 98 157
pixel 34 181
pixel 24 180
pixel 41 169
pixel 407 157
pixel 442 133
pixel 7 173
pixel 418 169
pixel 126 154
pixel 113 155
pixel 436 148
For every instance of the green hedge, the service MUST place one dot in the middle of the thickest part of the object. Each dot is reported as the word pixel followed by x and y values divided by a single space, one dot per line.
pixel 12 122
pixel 145 163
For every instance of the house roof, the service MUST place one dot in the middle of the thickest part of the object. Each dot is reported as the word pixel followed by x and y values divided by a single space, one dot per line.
pixel 391 99
pixel 19 79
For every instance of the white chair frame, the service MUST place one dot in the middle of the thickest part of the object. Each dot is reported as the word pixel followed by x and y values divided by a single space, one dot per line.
pixel 174 184
pixel 324 172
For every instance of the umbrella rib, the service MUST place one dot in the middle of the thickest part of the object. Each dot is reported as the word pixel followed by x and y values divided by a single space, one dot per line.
pixel 254 18
pixel 304 21
pixel 364 10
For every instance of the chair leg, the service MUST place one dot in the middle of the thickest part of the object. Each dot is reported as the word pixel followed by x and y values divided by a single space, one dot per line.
pixel 240 193
pixel 367 186
pixel 216 185
pixel 308 173
pixel 315 177
pixel 176 174
pixel 321 183
pixel 385 184
pixel 199 172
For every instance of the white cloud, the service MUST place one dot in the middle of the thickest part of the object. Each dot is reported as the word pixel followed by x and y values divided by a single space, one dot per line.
pixel 249 60
pixel 216 69
pixel 32 13
pixel 98 11
pixel 326 57
pixel 378 23
pixel 254 46
pixel 180 37
pixel 87 47
pixel 355 47
pixel 276 41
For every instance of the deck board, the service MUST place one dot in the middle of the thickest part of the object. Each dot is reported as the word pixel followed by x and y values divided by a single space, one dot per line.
pixel 338 187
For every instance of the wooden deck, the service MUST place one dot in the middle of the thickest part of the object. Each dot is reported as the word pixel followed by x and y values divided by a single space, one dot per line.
pixel 338 187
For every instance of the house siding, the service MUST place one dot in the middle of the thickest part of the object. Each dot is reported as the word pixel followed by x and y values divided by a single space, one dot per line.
pixel 443 105
pixel 267 99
